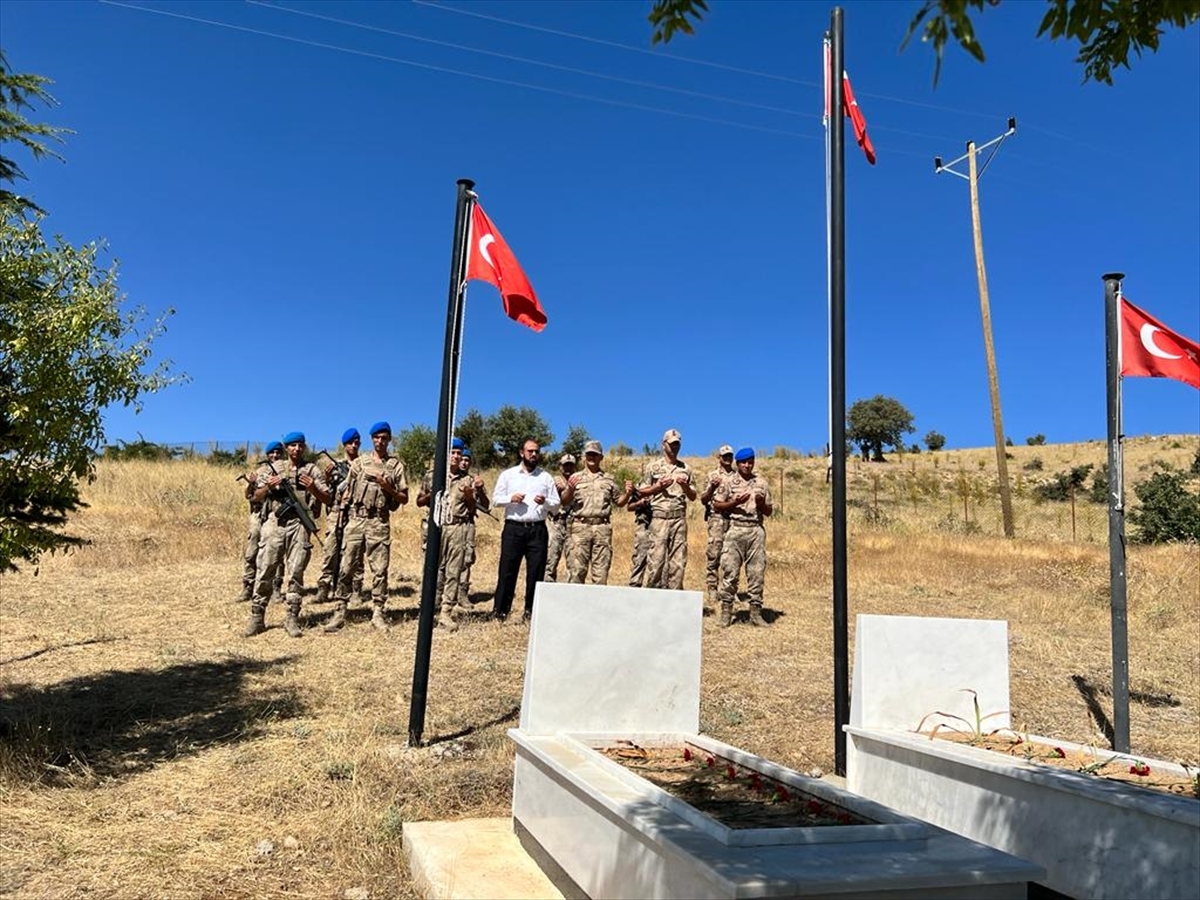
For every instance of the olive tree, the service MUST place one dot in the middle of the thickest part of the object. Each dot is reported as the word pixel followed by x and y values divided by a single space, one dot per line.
pixel 877 423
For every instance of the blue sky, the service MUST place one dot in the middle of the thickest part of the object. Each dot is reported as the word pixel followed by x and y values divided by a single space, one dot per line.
pixel 293 201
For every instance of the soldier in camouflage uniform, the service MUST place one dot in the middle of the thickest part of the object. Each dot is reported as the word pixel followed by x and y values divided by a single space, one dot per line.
pixel 335 475
pixel 375 488
pixel 459 513
pixel 284 544
pixel 274 452
pixel 482 504
pixel 746 499
pixel 669 484
pixel 590 496
pixel 558 521
pixel 640 507
pixel 717 523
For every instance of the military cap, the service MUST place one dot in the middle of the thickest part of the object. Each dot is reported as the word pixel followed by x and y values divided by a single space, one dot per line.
pixel 380 426
pixel 272 446
pixel 457 444
pixel 566 458
pixel 671 435
pixel 593 447
pixel 466 452
pixel 725 450
pixel 294 437
pixel 744 454
pixel 350 434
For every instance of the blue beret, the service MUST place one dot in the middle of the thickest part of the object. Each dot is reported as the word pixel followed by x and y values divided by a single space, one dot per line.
pixel 294 437
pixel 350 434
pixel 466 451
pixel 457 444
pixel 744 454
pixel 380 426
pixel 273 445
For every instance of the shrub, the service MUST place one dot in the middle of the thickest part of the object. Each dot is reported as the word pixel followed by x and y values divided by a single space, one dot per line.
pixel 935 440
pixel 1169 511
pixel 1060 488
pixel 1034 465
pixel 1036 441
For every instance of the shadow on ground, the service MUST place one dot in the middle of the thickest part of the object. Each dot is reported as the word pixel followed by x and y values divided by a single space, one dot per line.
pixel 118 723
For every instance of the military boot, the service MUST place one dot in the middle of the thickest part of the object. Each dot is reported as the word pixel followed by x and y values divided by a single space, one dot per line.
pixel 725 619
pixel 277 592
pixel 756 616
pixel 292 623
pixel 339 617
pixel 322 593
pixel 379 620
pixel 247 593
pixel 255 624
pixel 446 620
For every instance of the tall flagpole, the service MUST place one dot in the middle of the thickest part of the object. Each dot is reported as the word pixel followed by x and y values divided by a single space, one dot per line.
pixel 837 385
pixel 1116 514
pixel 454 319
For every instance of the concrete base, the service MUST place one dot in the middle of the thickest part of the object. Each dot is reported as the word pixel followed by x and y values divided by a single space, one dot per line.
pixel 473 859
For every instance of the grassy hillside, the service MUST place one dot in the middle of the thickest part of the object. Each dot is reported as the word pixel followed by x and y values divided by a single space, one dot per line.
pixel 148 750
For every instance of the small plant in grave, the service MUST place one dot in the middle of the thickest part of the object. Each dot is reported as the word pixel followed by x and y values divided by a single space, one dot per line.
pixel 973 729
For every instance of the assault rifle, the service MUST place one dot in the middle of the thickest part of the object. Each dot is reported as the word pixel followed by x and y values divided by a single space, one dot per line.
pixel 242 477
pixel 291 506
pixel 341 470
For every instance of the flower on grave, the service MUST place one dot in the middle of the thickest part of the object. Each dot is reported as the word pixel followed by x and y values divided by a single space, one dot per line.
pixel 687 754
pixel 845 818
pixel 730 772
pixel 756 782
pixel 782 794
pixel 1139 768
pixel 710 762
pixel 1060 753
pixel 814 807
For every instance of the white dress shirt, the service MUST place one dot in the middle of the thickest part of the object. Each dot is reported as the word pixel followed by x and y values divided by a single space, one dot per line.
pixel 517 481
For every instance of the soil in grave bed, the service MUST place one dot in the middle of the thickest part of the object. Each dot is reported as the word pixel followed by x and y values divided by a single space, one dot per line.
pixel 735 796
pixel 1100 763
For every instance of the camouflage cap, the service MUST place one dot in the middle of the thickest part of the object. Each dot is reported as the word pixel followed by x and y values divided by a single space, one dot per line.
pixel 671 435
pixel 565 459
pixel 593 447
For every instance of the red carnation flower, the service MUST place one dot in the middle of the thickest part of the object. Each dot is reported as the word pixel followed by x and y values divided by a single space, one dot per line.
pixel 730 772
pixel 1060 753
pixel 711 762
pixel 687 754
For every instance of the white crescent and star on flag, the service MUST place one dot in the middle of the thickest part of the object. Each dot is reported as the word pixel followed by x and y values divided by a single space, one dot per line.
pixel 1147 336
pixel 483 248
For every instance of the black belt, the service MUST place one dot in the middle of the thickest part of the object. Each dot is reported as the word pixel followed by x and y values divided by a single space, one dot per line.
pixel 517 524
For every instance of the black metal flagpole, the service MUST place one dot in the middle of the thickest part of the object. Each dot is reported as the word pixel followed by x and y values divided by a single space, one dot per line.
pixel 1116 515
pixel 450 356
pixel 837 385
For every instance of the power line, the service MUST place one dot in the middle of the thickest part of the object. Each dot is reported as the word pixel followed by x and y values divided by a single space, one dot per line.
pixel 523 59
pixel 433 68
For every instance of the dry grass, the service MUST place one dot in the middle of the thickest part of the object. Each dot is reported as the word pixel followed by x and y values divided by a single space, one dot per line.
pixel 146 749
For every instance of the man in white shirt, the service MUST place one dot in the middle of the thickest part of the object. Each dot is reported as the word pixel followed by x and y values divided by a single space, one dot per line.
pixel 527 493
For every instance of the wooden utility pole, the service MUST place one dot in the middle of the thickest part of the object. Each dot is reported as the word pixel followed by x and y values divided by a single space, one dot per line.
pixel 989 347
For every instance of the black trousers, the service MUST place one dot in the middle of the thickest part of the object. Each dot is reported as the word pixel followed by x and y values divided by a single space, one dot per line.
pixel 526 541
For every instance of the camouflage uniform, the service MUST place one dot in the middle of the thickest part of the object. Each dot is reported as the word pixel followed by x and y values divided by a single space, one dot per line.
pixel 253 538
pixel 557 525
pixel 717 524
pixel 641 540
pixel 745 545
pixel 464 582
pixel 459 515
pixel 368 531
pixel 284 546
pixel 427 491
pixel 329 573
pixel 589 544
pixel 668 525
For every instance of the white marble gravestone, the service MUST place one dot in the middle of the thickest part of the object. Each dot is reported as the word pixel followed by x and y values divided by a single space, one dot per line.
pixel 612 659
pixel 907 667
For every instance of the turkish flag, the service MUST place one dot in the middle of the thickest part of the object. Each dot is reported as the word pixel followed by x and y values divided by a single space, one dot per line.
pixel 860 124
pixel 490 259
pixel 1148 347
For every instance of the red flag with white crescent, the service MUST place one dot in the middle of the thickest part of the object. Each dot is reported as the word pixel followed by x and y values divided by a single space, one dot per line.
pixel 858 121
pixel 490 259
pixel 1148 347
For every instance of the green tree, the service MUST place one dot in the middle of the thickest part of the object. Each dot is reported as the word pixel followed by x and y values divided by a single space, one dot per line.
pixel 67 351
pixel 1168 511
pixel 573 443
pixel 877 423
pixel 1036 440
pixel 475 429
pixel 1105 30
pixel 935 440
pixel 415 445
pixel 510 426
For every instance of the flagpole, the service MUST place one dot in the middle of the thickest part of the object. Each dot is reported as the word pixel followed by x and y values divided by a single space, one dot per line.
pixel 449 391
pixel 1116 515
pixel 837 386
